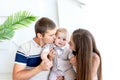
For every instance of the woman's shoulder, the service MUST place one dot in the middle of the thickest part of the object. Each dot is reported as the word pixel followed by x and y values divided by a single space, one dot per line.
pixel 95 58
pixel 95 65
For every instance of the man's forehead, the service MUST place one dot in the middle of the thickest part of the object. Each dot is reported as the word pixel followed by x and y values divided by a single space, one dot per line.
pixel 51 31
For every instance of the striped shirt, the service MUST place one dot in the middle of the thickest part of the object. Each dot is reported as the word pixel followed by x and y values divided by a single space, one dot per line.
pixel 28 54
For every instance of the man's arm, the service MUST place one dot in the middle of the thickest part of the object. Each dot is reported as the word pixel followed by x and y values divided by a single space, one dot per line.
pixel 20 73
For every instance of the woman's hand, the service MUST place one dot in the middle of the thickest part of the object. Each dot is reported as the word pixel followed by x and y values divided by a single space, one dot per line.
pixel 73 60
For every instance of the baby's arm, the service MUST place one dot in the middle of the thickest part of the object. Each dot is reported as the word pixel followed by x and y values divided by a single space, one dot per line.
pixel 48 52
pixel 45 52
pixel 44 55
pixel 51 54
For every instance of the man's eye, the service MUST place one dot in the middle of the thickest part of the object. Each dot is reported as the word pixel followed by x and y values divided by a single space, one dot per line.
pixel 58 37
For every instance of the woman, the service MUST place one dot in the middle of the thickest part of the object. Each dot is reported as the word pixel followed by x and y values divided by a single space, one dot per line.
pixel 87 59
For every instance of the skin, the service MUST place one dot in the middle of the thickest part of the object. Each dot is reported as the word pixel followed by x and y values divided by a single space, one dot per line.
pixel 60 78
pixel 20 72
pixel 61 39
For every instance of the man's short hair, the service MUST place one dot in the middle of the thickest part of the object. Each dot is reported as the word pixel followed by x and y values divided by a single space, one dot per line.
pixel 44 24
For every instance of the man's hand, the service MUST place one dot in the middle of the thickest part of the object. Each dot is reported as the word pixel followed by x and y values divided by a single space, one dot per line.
pixel 46 65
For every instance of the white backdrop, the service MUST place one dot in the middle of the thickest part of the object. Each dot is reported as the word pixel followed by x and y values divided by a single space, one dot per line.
pixel 100 17
pixel 41 8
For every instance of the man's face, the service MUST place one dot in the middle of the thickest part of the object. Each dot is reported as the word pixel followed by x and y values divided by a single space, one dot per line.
pixel 49 36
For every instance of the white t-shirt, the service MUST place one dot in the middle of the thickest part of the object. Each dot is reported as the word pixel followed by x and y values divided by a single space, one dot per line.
pixel 29 54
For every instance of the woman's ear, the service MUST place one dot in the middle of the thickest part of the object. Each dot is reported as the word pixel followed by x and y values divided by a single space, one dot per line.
pixel 39 35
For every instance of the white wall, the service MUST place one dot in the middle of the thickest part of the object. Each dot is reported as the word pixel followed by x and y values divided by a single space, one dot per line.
pixel 102 19
pixel 41 8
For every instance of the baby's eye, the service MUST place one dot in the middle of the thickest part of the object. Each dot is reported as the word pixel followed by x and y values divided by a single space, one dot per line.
pixel 64 39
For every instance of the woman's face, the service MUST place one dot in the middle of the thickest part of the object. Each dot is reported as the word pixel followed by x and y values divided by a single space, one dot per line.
pixel 71 43
pixel 73 59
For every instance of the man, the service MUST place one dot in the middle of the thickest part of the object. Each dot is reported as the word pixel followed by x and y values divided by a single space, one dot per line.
pixel 28 64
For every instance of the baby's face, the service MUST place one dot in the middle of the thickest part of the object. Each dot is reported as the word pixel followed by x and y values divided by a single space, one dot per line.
pixel 61 39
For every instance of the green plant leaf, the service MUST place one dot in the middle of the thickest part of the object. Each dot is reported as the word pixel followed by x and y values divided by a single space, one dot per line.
pixel 14 22
pixel 6 34
pixel 22 18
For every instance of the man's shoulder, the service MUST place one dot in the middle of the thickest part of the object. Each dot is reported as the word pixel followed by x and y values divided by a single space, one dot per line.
pixel 25 46
pixel 26 43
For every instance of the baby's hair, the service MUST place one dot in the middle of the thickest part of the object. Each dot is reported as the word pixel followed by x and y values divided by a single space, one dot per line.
pixel 63 30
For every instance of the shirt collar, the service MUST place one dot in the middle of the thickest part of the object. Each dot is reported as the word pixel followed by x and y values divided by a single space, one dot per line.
pixel 35 44
pixel 61 48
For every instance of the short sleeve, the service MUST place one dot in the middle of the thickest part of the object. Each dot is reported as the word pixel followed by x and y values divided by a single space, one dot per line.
pixel 21 57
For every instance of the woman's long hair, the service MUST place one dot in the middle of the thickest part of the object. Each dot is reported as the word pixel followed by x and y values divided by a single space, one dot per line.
pixel 85 46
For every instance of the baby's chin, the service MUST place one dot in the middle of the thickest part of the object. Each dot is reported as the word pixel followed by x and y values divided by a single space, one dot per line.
pixel 60 45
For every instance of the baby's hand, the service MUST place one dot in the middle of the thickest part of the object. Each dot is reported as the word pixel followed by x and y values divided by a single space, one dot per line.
pixel 51 54
pixel 60 78
pixel 44 55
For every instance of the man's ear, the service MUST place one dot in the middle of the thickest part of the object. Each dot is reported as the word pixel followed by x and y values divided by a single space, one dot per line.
pixel 39 35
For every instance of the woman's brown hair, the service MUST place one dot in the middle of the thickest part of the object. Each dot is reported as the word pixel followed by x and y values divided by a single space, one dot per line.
pixel 85 46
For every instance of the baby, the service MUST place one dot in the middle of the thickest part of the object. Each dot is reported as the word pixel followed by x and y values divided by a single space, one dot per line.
pixel 61 61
